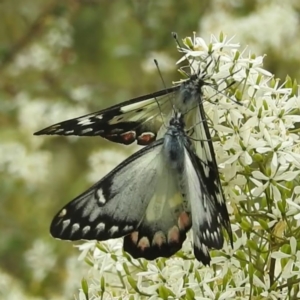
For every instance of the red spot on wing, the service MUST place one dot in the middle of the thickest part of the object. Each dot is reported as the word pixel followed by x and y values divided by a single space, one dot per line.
pixel 128 137
pixel 125 138
pixel 146 138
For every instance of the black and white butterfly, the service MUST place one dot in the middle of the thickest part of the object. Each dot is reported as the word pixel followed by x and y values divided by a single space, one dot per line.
pixel 140 119
pixel 153 199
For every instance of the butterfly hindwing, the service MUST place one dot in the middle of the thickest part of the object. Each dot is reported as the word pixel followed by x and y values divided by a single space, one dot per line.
pixel 139 200
pixel 164 226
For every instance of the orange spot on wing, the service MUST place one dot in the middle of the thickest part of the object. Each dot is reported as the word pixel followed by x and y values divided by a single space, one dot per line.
pixel 184 221
pixel 159 239
pixel 134 237
pixel 143 243
pixel 173 235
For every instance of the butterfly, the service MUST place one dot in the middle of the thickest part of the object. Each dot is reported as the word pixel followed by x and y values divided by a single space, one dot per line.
pixel 153 199
pixel 140 119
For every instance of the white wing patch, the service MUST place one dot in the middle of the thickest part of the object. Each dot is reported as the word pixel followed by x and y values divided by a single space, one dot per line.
pixel 135 106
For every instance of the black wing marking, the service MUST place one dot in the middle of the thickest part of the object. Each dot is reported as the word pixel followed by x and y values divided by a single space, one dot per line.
pixel 208 169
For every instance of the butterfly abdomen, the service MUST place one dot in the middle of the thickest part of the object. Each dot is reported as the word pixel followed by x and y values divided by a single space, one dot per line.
pixel 174 149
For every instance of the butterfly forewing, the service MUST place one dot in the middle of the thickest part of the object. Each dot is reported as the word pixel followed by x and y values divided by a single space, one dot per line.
pixel 208 167
pixel 102 208
pixel 138 119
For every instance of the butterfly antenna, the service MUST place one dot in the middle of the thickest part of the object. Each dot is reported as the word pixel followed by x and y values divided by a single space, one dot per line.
pixel 175 37
pixel 164 84
pixel 159 72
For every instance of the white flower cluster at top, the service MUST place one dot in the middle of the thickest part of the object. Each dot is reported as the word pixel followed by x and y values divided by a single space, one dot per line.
pixel 264 26
pixel 254 125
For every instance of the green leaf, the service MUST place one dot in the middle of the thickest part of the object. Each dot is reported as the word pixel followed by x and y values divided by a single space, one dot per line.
pixel 245 225
pixel 238 95
pixel 281 206
pixel 236 55
pixel 102 283
pixel 132 282
pixel 258 79
pixel 294 88
pixel 251 270
pixel 164 292
pixel 257 157
pixel 221 36
pixel 190 294
pixel 188 42
pixel 85 288
pixel 252 245
pixel 263 224
pixel 126 270
pixel 197 276
pixel 288 82
pixel 241 255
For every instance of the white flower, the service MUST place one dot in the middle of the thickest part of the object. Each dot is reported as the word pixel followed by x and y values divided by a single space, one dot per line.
pixel 293 257
pixel 273 181
pixel 19 162
pixel 40 258
pixel 267 21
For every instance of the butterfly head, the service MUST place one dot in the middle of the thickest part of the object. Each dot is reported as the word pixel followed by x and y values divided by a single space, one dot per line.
pixel 178 120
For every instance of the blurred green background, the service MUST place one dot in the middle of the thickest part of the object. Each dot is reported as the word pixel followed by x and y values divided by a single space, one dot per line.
pixel 61 59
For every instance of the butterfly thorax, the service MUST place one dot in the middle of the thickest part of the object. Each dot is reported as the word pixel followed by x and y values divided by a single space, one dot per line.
pixel 190 93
